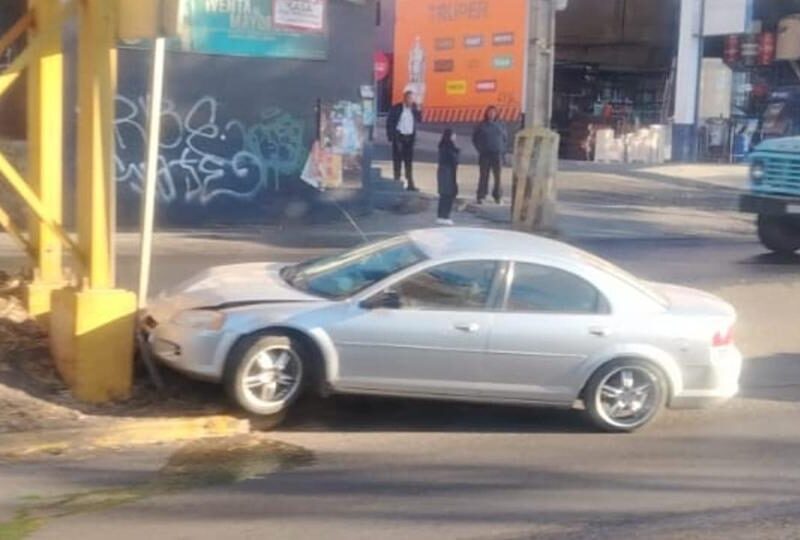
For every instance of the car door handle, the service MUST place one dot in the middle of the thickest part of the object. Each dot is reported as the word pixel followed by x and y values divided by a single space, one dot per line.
pixel 470 328
pixel 600 331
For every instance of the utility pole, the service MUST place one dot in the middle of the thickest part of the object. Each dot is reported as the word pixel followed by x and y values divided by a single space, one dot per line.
pixel 541 61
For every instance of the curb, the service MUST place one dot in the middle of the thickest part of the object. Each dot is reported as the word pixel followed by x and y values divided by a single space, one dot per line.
pixel 123 433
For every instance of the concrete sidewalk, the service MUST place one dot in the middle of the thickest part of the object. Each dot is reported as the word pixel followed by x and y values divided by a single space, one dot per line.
pixel 623 201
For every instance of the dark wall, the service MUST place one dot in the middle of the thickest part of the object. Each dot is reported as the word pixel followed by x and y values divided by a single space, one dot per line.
pixel 236 131
pixel 627 34
pixel 12 102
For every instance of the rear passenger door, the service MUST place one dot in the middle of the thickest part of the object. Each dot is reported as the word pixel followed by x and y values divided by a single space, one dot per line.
pixel 549 324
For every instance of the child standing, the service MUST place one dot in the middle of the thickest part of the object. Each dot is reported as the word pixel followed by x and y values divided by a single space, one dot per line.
pixel 446 176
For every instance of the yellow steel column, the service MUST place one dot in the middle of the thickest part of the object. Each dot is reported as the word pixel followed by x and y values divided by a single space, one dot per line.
pixel 92 328
pixel 45 152
pixel 96 52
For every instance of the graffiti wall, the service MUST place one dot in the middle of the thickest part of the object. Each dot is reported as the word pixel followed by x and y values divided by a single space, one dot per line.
pixel 206 155
pixel 236 131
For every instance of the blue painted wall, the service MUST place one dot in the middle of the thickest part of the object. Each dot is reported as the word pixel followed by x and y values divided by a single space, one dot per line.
pixel 236 130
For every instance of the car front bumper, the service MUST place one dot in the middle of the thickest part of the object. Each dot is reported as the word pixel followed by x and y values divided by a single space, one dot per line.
pixel 720 381
pixel 200 354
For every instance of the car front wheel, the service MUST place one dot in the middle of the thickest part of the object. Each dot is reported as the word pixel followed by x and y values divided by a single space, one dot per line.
pixel 625 395
pixel 265 374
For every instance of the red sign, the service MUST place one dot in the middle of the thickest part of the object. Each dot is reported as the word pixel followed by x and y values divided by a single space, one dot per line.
pixel 382 65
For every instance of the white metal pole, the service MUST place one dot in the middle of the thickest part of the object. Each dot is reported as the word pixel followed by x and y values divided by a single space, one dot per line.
pixel 151 175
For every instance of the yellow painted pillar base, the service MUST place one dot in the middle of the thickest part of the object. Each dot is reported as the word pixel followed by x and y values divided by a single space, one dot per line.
pixel 92 341
pixel 37 298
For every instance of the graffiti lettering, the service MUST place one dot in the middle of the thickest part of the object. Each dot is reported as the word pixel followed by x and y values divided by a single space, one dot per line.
pixel 203 157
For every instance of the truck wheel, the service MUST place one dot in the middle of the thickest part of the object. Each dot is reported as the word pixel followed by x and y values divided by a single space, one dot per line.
pixel 779 234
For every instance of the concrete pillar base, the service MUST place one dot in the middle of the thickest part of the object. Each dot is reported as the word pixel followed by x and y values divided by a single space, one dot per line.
pixel 92 342
pixel 684 143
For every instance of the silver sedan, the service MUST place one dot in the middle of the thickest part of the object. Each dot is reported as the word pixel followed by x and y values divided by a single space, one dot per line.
pixel 457 314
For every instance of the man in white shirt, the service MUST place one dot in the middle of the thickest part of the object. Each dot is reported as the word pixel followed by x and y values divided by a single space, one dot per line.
pixel 401 130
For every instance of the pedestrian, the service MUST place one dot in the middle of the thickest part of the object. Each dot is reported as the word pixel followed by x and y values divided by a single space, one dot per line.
pixel 446 176
pixel 401 130
pixel 490 140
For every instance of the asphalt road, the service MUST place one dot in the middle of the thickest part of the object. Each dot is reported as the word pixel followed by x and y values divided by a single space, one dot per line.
pixel 398 469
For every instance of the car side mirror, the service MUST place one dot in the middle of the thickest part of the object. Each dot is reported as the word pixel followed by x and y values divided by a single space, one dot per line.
pixel 386 300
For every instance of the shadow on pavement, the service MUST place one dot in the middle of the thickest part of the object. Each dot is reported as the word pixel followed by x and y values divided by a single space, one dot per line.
pixel 774 259
pixel 772 378
pixel 364 414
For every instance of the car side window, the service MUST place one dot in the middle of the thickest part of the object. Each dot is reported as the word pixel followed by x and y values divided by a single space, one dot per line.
pixel 543 289
pixel 463 285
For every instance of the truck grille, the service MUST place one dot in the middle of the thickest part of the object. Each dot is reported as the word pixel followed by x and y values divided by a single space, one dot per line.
pixel 781 175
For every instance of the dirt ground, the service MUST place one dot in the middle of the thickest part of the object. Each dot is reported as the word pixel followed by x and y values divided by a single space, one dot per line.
pixel 33 396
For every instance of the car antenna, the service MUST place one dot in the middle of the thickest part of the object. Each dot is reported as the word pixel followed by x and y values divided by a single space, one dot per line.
pixel 351 220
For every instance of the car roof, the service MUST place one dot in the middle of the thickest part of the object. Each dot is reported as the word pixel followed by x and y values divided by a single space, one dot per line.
pixel 493 243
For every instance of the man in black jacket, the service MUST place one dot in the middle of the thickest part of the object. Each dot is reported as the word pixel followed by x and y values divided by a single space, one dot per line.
pixel 490 140
pixel 401 130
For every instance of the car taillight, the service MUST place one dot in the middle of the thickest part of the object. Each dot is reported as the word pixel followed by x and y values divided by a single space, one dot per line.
pixel 723 338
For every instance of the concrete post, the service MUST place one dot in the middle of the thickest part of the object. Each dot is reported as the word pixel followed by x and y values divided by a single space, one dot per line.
pixel 687 82
pixel 541 62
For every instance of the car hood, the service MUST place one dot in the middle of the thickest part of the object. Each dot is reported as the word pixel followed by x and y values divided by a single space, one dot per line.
pixel 229 286
pixel 783 145
pixel 686 301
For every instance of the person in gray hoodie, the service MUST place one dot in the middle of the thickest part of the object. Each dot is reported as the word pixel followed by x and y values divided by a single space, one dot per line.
pixel 490 140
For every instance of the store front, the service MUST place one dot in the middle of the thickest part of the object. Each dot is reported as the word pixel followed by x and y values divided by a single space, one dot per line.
pixel 751 83
pixel 613 72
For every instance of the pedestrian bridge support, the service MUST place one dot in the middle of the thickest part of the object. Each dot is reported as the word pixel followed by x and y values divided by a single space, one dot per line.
pixel 91 322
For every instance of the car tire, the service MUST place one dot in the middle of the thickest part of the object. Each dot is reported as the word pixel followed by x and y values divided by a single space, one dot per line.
pixel 266 373
pixel 625 395
pixel 779 234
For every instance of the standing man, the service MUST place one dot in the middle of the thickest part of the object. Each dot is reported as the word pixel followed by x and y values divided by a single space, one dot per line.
pixel 491 141
pixel 401 130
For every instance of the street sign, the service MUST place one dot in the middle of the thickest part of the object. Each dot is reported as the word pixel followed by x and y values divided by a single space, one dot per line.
pixel 724 17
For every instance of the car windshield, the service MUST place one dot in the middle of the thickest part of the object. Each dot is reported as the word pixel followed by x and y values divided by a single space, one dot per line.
pixel 343 275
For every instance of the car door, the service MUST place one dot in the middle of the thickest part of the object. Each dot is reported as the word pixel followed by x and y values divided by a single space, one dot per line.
pixel 549 325
pixel 432 342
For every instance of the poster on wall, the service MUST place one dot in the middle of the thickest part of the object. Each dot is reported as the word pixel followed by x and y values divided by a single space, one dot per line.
pixel 306 15
pixel 460 56
pixel 342 136
pixel 342 128
pixel 323 169
pixel 295 29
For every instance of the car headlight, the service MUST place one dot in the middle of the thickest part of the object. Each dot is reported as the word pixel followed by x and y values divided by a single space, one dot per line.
pixel 757 171
pixel 200 318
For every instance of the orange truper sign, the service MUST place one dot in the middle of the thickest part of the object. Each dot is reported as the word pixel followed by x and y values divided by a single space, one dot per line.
pixel 460 56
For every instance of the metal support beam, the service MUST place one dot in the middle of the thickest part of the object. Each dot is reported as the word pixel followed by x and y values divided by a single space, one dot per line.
pixel 30 199
pixel 10 227
pixel 45 138
pixel 96 87
pixel 92 327
pixel 16 31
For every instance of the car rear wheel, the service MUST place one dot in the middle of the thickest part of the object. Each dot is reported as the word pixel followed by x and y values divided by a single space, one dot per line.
pixel 625 395
pixel 779 234
pixel 265 374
